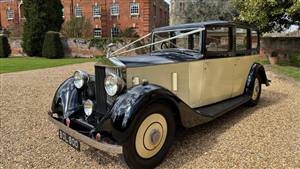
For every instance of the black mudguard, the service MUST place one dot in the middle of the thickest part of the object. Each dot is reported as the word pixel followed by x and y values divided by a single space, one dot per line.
pixel 256 69
pixel 66 99
pixel 125 112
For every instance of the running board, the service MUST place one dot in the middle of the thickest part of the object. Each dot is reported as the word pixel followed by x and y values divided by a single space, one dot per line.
pixel 218 109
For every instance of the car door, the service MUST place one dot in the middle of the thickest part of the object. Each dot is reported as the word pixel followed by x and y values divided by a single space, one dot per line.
pixel 244 58
pixel 218 65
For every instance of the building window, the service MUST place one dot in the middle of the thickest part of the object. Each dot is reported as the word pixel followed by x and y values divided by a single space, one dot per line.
pixel 96 11
pixel 78 11
pixel 10 14
pixel 114 10
pixel 181 6
pixel 115 32
pixel 97 33
pixel 134 9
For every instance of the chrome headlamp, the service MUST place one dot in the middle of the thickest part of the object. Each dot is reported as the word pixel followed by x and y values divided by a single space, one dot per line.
pixel 80 79
pixel 88 107
pixel 113 84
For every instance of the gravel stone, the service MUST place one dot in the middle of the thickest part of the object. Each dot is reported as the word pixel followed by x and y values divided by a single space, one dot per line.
pixel 266 136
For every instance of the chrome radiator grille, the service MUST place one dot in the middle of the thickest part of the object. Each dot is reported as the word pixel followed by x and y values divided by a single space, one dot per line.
pixel 101 97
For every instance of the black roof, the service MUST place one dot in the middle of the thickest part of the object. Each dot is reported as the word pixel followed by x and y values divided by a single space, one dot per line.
pixel 196 25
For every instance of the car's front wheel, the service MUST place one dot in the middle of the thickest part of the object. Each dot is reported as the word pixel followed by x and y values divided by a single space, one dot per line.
pixel 152 137
pixel 255 96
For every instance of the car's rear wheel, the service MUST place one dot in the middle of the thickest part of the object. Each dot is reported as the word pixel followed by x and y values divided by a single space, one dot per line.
pixel 152 137
pixel 255 96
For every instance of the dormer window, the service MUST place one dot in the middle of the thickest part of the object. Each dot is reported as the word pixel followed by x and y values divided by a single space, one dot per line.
pixel 96 11
pixel 78 11
pixel 134 9
pixel 114 10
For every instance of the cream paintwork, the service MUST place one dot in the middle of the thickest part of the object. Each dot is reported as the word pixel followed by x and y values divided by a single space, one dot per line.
pixel 162 75
pixel 242 66
pixel 217 77
pixel 199 83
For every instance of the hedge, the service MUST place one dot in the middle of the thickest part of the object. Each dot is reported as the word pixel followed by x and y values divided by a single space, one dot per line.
pixel 53 47
pixel 5 50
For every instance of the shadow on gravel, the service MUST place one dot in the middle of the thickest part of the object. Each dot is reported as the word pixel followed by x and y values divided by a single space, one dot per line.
pixel 190 144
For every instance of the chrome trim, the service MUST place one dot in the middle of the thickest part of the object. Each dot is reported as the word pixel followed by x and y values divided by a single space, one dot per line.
pixel 115 149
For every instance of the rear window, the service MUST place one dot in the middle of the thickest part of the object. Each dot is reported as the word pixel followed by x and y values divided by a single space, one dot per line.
pixel 218 39
pixel 241 39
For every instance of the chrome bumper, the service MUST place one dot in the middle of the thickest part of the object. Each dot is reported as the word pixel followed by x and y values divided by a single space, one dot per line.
pixel 115 149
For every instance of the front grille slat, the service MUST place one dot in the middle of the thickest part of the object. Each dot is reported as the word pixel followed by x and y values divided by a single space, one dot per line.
pixel 101 97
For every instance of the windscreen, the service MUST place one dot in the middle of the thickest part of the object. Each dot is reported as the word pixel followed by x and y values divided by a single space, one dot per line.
pixel 186 42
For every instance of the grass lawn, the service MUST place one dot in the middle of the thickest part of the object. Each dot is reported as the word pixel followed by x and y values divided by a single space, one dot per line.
pixel 15 64
pixel 284 68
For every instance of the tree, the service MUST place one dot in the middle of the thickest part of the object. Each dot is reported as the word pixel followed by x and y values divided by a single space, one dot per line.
pixel 77 28
pixel 41 16
pixel 203 10
pixel 269 15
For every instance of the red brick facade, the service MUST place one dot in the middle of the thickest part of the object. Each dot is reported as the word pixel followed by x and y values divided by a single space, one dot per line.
pixel 14 8
pixel 146 15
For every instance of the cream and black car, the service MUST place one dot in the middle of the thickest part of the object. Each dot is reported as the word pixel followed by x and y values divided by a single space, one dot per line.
pixel 190 75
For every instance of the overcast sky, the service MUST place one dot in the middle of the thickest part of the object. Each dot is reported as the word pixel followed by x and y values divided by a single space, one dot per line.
pixel 168 1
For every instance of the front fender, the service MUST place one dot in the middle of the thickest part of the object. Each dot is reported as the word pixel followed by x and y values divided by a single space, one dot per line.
pixel 125 112
pixel 66 99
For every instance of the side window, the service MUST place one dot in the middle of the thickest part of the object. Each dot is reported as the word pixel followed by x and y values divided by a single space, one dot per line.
pixel 242 40
pixel 218 39
pixel 254 39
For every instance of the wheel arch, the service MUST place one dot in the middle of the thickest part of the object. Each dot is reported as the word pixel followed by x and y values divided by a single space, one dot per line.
pixel 256 70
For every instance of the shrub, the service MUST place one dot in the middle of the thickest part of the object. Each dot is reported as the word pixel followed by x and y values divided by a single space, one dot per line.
pixel 101 43
pixel 77 28
pixel 5 50
pixel 129 33
pixel 294 59
pixel 53 47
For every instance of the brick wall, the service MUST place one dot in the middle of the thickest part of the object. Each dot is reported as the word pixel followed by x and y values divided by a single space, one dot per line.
pixel 282 45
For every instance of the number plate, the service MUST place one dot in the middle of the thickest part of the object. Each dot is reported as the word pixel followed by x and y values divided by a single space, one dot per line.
pixel 69 140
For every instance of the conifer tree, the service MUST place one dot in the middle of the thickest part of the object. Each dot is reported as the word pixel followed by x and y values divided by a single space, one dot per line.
pixel 41 16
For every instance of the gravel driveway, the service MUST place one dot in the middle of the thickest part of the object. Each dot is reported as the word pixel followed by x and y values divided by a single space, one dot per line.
pixel 267 136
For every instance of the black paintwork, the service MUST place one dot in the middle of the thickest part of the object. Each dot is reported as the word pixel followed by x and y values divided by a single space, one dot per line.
pixel 218 109
pixel 256 69
pixel 66 99
pixel 162 57
pixel 193 25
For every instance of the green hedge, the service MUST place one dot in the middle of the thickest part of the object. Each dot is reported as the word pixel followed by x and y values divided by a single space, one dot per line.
pixel 53 47
pixel 294 59
pixel 5 50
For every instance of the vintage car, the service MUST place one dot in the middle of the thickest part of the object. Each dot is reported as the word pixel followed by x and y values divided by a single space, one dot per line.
pixel 190 75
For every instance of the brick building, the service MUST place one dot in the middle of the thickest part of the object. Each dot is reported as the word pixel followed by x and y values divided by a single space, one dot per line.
pixel 108 17
pixel 10 13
